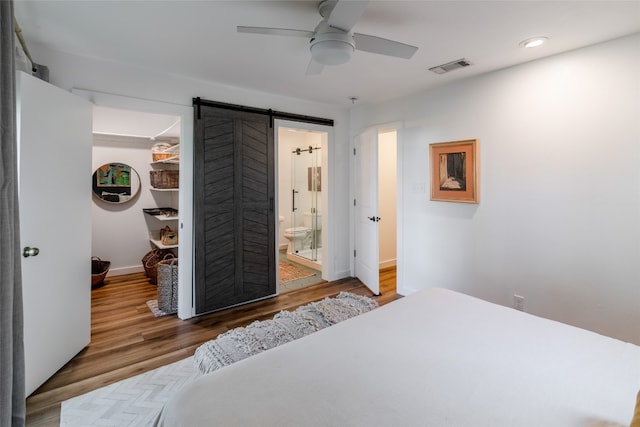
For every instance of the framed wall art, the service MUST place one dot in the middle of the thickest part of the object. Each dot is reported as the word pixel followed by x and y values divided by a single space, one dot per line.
pixel 113 175
pixel 454 171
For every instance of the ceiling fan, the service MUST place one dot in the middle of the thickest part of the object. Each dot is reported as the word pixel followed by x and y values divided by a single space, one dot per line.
pixel 332 42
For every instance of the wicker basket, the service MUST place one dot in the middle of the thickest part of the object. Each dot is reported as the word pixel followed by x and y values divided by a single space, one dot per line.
pixel 165 151
pixel 161 156
pixel 150 262
pixel 99 270
pixel 168 285
pixel 165 178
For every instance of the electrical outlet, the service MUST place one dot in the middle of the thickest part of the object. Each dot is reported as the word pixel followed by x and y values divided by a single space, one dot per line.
pixel 518 302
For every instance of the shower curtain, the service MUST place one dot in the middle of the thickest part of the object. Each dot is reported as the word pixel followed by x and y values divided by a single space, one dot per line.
pixel 12 391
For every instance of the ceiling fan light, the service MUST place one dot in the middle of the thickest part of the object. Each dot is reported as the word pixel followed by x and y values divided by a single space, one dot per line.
pixel 332 52
pixel 332 47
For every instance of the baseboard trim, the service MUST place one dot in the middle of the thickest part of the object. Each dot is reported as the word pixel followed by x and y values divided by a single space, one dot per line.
pixel 388 263
pixel 341 275
pixel 121 271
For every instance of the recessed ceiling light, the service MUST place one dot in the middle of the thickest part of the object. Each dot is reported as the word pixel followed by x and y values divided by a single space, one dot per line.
pixel 534 42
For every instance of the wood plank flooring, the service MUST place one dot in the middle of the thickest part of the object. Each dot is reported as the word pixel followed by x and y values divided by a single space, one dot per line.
pixel 127 340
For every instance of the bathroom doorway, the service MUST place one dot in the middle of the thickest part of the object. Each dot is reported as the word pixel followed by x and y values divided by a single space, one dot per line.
pixel 301 151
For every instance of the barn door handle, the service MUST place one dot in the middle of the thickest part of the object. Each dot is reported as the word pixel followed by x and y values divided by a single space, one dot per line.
pixel 27 252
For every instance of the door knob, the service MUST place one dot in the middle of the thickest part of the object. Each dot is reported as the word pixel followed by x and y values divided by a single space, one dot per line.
pixel 27 252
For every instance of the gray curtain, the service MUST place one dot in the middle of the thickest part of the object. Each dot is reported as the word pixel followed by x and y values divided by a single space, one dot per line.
pixel 12 399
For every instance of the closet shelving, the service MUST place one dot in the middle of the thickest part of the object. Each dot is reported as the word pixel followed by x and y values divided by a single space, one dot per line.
pixel 170 198
pixel 166 162
pixel 167 190
pixel 159 244
pixel 167 216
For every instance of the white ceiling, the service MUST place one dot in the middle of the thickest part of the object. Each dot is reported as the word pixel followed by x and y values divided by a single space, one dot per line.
pixel 112 121
pixel 199 39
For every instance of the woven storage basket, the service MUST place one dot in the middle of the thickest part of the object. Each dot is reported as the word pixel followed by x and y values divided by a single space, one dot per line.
pixel 165 151
pixel 99 270
pixel 168 285
pixel 161 156
pixel 150 262
pixel 165 178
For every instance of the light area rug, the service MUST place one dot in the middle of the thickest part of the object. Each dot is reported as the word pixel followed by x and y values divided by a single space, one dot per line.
pixel 153 306
pixel 133 402
pixel 289 272
pixel 137 401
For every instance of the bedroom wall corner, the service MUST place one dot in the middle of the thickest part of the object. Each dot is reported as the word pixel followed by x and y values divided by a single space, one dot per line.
pixel 559 204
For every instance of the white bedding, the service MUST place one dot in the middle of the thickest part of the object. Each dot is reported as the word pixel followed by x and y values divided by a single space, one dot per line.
pixel 435 358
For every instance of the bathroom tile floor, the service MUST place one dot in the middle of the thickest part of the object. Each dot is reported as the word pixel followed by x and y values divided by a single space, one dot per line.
pixel 316 276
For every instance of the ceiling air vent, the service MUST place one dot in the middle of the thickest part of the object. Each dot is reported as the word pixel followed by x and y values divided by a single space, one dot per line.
pixel 450 66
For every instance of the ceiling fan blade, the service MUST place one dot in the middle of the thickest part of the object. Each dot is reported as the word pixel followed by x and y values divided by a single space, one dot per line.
pixel 275 31
pixel 382 46
pixel 314 68
pixel 346 13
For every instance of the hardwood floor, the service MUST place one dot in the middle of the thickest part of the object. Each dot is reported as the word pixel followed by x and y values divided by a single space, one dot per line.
pixel 127 340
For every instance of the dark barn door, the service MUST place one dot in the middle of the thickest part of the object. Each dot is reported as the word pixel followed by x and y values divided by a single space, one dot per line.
pixel 234 227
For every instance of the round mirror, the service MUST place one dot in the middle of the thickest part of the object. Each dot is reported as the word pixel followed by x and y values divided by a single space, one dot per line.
pixel 115 183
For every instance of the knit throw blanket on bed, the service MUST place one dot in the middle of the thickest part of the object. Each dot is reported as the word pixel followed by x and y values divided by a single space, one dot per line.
pixel 240 343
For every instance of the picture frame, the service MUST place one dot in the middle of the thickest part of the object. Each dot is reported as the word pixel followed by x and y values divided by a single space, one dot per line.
pixel 314 178
pixel 113 175
pixel 454 171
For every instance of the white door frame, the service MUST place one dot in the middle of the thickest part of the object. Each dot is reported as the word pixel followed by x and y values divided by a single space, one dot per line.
pixel 398 127
pixel 185 196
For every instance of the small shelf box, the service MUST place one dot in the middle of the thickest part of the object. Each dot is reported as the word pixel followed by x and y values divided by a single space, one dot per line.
pixel 165 152
pixel 155 237
pixel 158 243
pixel 162 214
pixel 165 178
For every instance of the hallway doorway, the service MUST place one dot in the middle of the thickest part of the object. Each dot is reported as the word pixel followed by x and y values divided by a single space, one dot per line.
pixel 375 204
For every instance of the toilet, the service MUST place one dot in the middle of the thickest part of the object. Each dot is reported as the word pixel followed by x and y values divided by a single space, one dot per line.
pixel 296 236
pixel 308 219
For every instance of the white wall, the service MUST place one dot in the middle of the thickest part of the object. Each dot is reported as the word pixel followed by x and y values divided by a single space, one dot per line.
pixel 558 219
pixel 70 71
pixel 120 232
pixel 387 197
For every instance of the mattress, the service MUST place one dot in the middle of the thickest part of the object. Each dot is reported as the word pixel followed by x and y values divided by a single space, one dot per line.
pixel 435 358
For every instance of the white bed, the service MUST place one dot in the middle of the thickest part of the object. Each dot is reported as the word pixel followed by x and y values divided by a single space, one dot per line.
pixel 435 358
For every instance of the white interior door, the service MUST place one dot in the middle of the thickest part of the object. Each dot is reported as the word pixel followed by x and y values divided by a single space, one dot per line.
pixel 54 154
pixel 367 257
